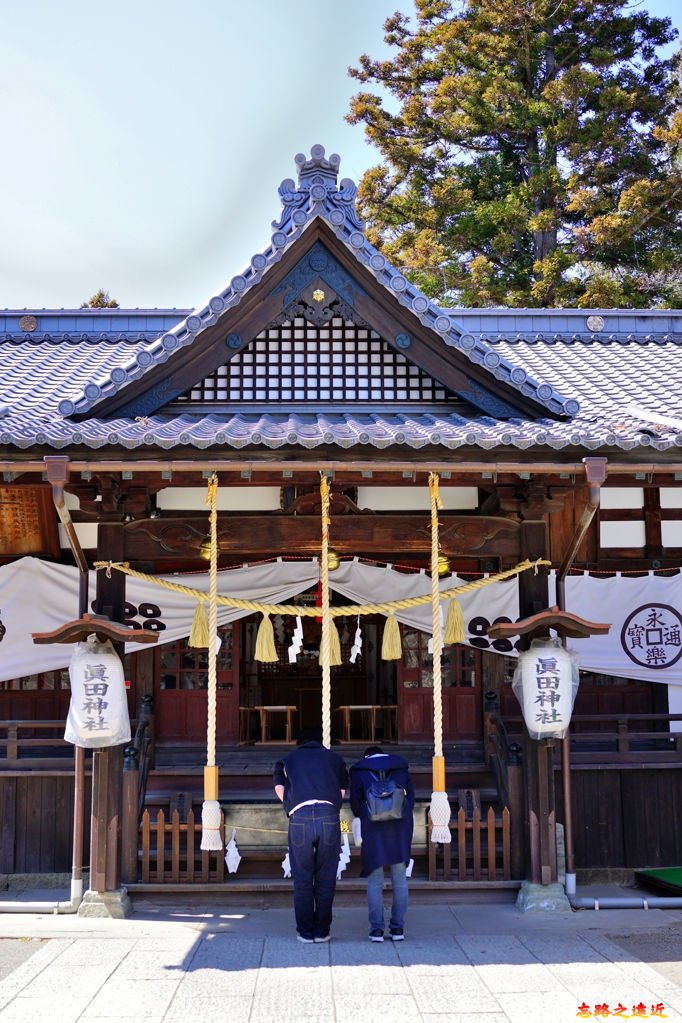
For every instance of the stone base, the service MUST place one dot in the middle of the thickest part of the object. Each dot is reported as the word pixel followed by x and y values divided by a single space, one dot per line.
pixel 114 905
pixel 544 897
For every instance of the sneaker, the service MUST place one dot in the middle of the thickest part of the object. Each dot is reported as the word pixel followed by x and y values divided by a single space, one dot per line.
pixel 397 934
pixel 306 941
pixel 376 935
pixel 327 937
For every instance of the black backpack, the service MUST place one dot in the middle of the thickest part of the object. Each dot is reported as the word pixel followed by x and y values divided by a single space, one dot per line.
pixel 385 799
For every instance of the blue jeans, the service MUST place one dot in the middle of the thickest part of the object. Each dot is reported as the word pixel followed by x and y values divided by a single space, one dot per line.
pixel 314 845
pixel 375 897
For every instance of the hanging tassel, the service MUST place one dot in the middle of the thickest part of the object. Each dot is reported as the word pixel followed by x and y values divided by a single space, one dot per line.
pixel 198 635
pixel 266 651
pixel 439 811
pixel 454 624
pixel 211 839
pixel 391 647
pixel 334 644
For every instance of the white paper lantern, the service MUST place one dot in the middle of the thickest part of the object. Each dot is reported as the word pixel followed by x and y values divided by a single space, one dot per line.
pixel 98 712
pixel 545 684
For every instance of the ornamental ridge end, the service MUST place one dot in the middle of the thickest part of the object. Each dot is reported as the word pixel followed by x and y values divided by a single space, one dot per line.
pixel 317 192
pixel 317 164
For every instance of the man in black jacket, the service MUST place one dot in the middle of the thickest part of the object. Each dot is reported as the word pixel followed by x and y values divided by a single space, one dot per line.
pixel 311 781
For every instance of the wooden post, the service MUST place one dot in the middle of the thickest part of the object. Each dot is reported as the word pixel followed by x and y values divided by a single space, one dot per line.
pixel 130 823
pixel 105 842
pixel 541 867
pixel 516 810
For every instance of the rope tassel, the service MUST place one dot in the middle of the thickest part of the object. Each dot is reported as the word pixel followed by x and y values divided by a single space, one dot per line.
pixel 334 644
pixel 454 624
pixel 266 651
pixel 391 646
pixel 211 839
pixel 439 811
pixel 198 636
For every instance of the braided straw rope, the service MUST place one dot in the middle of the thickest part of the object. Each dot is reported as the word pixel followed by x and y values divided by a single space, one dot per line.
pixel 346 610
pixel 437 635
pixel 326 619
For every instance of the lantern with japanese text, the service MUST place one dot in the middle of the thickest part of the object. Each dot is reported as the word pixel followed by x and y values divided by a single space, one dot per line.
pixel 545 684
pixel 98 712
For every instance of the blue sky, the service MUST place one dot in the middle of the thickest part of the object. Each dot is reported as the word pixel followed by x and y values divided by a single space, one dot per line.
pixel 145 140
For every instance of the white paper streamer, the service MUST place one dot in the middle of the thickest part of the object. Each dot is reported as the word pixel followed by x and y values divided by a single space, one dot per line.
pixel 344 855
pixel 232 854
pixel 286 866
pixel 296 641
pixel 357 644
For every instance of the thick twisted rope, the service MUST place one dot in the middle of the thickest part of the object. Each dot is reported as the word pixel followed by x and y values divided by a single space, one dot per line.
pixel 211 499
pixel 211 836
pixel 437 634
pixel 439 809
pixel 342 611
pixel 326 619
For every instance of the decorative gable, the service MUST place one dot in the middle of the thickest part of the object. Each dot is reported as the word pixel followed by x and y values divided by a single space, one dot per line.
pixel 318 267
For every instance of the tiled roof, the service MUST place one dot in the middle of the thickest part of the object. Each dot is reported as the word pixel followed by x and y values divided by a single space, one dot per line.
pixel 622 368
pixel 610 380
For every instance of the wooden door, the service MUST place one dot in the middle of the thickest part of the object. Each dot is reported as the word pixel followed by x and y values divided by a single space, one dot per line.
pixel 461 690
pixel 181 684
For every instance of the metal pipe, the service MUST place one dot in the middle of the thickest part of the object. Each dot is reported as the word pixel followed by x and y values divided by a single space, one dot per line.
pixel 437 464
pixel 56 908
pixel 653 902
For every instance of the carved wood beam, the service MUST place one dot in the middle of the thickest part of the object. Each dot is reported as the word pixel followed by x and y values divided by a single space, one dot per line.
pixel 370 535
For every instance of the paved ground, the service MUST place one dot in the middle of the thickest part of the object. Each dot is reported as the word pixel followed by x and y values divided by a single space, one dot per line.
pixel 474 963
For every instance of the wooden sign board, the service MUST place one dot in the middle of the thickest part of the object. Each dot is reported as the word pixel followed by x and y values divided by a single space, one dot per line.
pixel 28 521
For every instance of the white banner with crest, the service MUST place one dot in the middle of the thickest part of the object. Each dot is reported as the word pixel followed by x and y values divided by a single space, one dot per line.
pixel 645 641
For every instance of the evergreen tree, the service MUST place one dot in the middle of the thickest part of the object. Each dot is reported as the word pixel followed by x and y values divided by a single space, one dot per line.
pixel 530 151
pixel 100 300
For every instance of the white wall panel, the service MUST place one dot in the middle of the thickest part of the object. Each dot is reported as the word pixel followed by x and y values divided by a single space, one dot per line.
pixel 621 497
pixel 414 498
pixel 229 499
pixel 621 534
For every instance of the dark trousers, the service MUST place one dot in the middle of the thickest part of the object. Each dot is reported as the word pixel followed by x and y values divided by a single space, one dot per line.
pixel 314 845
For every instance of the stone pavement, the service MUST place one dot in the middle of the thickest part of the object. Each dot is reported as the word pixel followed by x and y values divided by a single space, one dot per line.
pixel 480 963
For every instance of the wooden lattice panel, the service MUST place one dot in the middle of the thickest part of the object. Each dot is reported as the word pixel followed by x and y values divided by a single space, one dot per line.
pixel 300 362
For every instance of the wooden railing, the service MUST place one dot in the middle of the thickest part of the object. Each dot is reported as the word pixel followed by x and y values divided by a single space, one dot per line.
pixel 170 851
pixel 630 736
pixel 18 738
pixel 626 733
pixel 481 846
pixel 144 745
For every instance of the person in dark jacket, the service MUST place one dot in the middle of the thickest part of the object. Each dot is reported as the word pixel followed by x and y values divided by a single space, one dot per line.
pixel 311 782
pixel 384 843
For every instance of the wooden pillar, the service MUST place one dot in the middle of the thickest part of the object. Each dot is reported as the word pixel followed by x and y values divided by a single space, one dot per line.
pixel 105 841
pixel 541 861
pixel 131 777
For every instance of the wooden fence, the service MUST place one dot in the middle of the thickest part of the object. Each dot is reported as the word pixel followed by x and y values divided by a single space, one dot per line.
pixel 481 844
pixel 171 851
